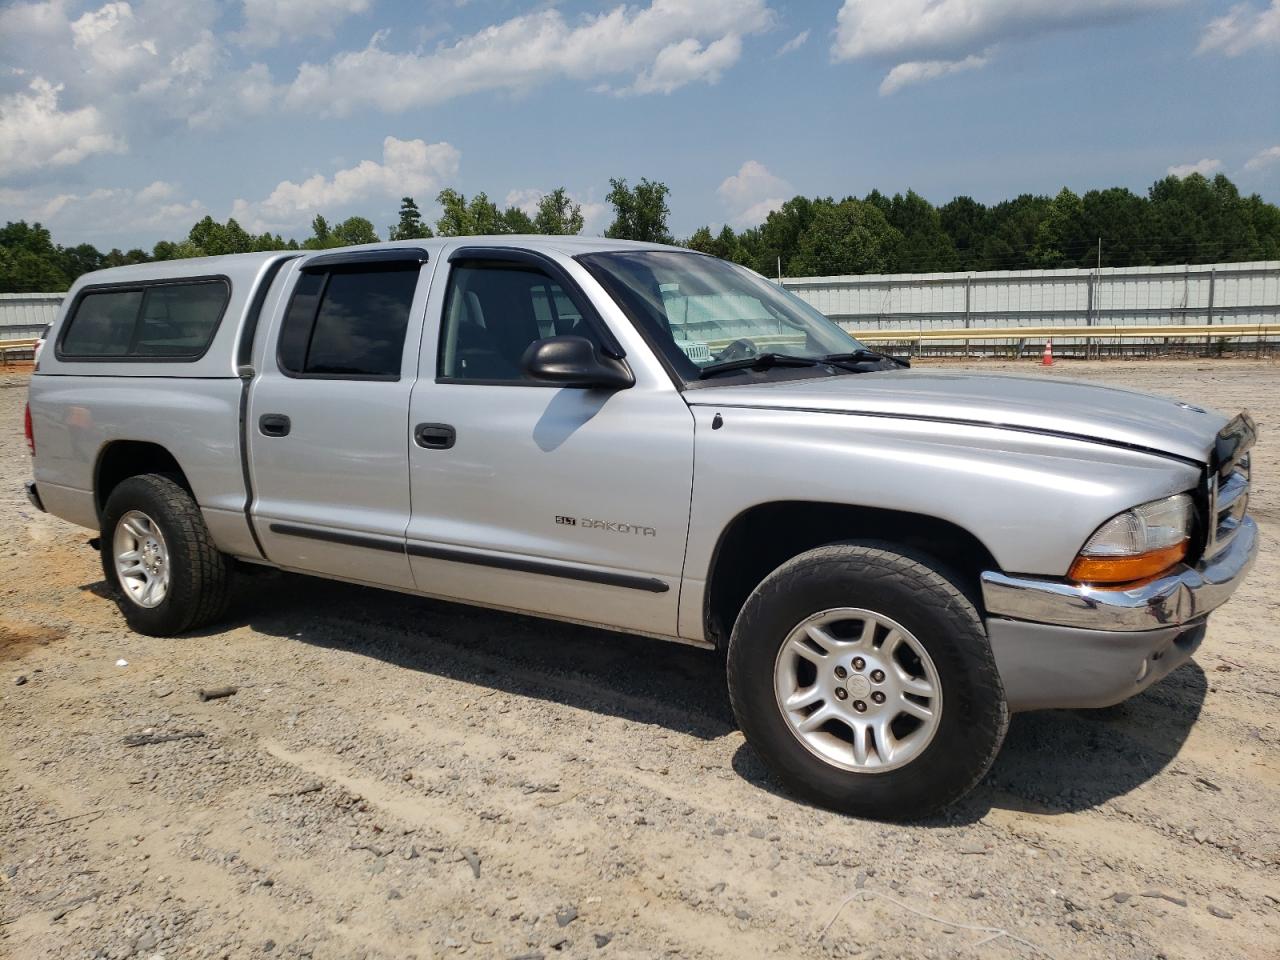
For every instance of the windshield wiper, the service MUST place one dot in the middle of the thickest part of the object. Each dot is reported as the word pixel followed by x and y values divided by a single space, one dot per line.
pixel 864 354
pixel 762 361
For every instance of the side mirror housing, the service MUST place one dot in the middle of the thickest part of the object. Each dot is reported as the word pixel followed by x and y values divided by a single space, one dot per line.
pixel 574 362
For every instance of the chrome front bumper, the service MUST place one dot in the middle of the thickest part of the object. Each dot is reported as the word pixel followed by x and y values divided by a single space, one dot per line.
pixel 1059 644
pixel 1180 597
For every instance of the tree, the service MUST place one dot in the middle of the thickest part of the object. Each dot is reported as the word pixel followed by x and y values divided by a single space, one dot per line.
pixel 354 231
pixel 411 225
pixel 29 260
pixel 847 237
pixel 640 213
pixel 1060 235
pixel 925 246
pixel 558 214
pixel 964 220
pixel 515 220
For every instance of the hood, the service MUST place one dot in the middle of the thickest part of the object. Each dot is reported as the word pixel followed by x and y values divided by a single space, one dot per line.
pixel 1038 404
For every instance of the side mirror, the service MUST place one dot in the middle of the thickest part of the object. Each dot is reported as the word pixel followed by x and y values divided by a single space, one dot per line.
pixel 573 362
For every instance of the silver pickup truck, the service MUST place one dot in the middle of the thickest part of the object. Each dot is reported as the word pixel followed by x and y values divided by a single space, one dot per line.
pixel 654 441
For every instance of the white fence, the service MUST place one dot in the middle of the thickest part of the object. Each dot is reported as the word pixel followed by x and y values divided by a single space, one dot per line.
pixel 1224 293
pixel 24 315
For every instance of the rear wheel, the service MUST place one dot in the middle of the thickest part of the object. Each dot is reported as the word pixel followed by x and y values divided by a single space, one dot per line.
pixel 159 559
pixel 863 678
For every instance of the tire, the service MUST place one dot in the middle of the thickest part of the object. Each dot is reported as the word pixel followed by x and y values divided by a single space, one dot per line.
pixel 196 588
pixel 910 767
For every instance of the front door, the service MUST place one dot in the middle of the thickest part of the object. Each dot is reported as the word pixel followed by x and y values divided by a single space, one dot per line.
pixel 567 501
pixel 328 417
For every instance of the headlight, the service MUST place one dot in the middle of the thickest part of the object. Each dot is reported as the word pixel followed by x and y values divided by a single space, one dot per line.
pixel 1138 543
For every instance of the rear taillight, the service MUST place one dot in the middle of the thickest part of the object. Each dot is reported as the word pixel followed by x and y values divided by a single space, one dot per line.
pixel 26 426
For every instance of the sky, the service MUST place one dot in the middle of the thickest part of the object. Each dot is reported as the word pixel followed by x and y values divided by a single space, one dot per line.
pixel 124 122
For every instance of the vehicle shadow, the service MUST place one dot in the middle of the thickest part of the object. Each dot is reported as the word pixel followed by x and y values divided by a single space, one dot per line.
pixel 1067 761
pixel 637 678
pixel 1052 762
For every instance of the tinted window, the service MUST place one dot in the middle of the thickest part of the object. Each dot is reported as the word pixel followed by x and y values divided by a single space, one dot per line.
pixel 170 320
pixel 178 320
pixel 348 323
pixel 102 325
pixel 492 315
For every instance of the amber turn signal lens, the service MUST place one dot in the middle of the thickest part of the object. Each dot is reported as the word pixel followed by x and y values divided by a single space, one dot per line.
pixel 1126 569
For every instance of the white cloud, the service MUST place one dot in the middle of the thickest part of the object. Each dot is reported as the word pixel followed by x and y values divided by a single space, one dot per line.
pixel 1243 28
pixel 752 193
pixel 1263 159
pixel 35 133
pixel 525 198
pixel 932 38
pixel 920 71
pixel 407 167
pixel 1203 167
pixel 132 61
pixel 795 43
pixel 663 45
pixel 268 22
pixel 686 62
pixel 109 211
pixel 908 29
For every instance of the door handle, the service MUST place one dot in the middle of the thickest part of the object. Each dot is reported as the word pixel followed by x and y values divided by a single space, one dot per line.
pixel 434 436
pixel 274 425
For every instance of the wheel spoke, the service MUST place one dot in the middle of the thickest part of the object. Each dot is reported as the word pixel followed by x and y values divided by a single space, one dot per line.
pixel 892 641
pixel 135 529
pixel 910 684
pixel 886 742
pixel 868 632
pixel 802 649
pixel 805 698
pixel 914 708
pixel 816 719
pixel 861 748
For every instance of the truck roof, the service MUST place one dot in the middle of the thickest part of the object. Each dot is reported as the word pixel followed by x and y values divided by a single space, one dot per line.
pixel 237 265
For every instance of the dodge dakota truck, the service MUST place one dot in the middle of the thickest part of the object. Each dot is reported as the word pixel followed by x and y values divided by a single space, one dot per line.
pixel 654 441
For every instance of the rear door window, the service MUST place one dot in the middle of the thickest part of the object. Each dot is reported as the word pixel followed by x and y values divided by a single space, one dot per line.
pixel 348 323
pixel 162 321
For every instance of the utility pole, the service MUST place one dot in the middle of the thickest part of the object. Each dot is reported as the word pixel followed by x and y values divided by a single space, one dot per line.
pixel 779 269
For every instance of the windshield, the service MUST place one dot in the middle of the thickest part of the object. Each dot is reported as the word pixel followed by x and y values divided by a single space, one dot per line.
pixel 701 312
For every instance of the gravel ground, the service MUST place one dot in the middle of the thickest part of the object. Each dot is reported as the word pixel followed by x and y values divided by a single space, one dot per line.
pixel 398 777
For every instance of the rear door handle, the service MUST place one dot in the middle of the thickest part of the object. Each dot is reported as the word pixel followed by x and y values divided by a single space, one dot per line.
pixel 274 425
pixel 434 436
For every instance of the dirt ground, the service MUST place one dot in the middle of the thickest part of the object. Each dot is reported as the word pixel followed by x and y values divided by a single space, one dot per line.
pixel 398 777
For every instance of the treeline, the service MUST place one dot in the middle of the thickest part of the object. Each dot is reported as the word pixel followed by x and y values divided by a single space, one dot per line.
pixel 1179 220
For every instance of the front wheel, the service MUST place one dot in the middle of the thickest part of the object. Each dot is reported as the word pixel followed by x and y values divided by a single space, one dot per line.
pixel 864 679
pixel 159 559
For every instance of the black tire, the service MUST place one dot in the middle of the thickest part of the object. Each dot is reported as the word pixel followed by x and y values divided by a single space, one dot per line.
pixel 913 591
pixel 199 576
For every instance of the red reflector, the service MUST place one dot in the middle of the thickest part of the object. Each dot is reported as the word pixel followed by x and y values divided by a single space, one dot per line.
pixel 31 435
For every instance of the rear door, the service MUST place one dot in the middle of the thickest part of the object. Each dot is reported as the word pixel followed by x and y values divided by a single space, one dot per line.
pixel 327 415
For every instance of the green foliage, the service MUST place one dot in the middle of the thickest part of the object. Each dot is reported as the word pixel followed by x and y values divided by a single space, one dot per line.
pixel 1180 220
pixel 349 233
pixel 640 213
pixel 29 260
pixel 557 214
pixel 411 225
pixel 852 236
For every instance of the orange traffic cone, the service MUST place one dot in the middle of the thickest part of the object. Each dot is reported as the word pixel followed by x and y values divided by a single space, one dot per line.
pixel 1047 359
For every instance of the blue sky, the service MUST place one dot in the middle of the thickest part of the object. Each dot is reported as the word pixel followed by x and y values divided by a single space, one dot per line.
pixel 121 123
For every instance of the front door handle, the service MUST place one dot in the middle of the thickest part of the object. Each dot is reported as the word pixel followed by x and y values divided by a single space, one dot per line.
pixel 274 425
pixel 434 436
